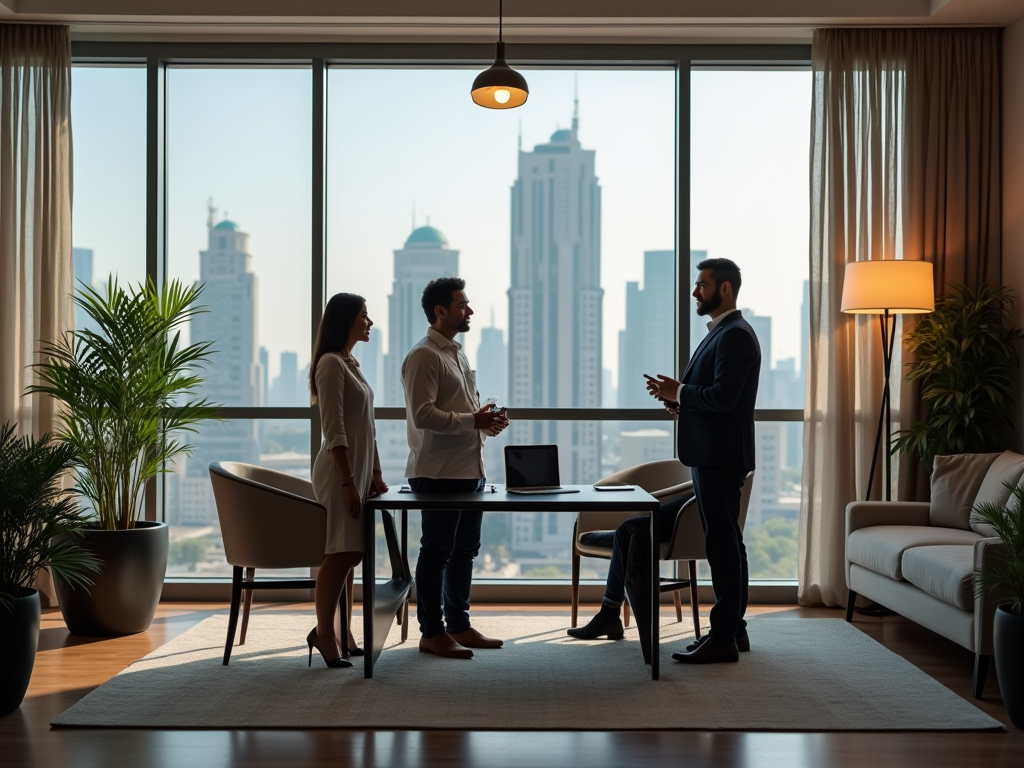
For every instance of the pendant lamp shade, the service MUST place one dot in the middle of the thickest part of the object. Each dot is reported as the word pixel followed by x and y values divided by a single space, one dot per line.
pixel 499 86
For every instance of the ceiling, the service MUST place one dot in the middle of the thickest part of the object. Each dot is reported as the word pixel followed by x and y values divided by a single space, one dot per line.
pixel 677 21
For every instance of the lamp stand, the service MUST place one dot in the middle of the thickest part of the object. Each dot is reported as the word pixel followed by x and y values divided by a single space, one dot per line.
pixel 885 414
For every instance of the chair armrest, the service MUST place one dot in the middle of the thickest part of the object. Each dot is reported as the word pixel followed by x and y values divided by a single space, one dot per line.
pixel 863 514
pixel 985 605
pixel 674 490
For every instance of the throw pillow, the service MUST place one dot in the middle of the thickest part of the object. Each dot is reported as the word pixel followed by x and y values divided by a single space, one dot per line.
pixel 1007 468
pixel 955 483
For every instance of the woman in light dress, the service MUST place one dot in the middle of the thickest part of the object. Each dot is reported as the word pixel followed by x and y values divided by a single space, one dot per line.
pixel 347 469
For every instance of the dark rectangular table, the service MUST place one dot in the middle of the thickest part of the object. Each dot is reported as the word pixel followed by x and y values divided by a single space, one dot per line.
pixel 386 601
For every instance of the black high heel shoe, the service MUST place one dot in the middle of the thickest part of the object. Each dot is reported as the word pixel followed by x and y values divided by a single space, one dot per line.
pixel 311 641
pixel 357 651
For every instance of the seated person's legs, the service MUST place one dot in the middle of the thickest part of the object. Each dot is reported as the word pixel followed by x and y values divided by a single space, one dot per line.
pixel 607 621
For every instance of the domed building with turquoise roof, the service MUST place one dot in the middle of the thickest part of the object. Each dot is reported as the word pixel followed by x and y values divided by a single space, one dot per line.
pixel 425 256
pixel 426 237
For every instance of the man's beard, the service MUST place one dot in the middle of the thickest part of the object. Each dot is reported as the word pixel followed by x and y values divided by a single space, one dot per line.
pixel 463 327
pixel 709 306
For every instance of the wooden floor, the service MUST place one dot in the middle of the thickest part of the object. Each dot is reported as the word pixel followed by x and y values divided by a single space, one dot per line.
pixel 69 667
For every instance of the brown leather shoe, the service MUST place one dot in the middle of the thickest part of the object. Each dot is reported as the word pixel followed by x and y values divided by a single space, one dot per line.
pixel 473 639
pixel 444 645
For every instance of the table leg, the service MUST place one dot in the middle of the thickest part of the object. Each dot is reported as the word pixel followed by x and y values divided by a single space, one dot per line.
pixel 369 581
pixel 655 595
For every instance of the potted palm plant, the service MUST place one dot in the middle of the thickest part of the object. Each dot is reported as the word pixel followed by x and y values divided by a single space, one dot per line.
pixel 129 390
pixel 965 358
pixel 40 525
pixel 1004 572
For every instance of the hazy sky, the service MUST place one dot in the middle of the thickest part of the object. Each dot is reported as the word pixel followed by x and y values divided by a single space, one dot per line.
pixel 405 139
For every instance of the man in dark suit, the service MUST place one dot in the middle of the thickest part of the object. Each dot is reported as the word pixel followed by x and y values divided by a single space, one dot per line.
pixel 715 406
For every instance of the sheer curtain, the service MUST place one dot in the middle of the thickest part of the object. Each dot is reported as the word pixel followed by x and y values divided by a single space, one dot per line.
pixel 904 164
pixel 35 218
pixel 35 211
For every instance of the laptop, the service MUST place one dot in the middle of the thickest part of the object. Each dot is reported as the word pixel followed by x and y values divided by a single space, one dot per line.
pixel 533 469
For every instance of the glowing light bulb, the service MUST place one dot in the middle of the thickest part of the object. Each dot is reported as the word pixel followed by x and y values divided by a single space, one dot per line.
pixel 502 96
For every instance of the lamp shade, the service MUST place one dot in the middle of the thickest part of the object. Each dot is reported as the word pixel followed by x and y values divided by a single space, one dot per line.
pixel 499 86
pixel 899 286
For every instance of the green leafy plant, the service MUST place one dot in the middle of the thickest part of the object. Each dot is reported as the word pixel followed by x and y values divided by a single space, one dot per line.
pixel 965 360
pixel 129 390
pixel 40 519
pixel 1005 568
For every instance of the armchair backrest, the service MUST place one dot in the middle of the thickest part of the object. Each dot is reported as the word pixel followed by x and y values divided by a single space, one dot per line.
pixel 687 542
pixel 652 476
pixel 268 519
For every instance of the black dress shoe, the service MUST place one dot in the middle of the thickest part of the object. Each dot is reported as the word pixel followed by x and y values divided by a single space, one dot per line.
pixel 709 653
pixel 605 623
pixel 742 643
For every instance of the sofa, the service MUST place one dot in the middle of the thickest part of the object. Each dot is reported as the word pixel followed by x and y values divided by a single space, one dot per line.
pixel 918 558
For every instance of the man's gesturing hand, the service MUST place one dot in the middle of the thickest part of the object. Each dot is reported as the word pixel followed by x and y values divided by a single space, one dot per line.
pixel 663 388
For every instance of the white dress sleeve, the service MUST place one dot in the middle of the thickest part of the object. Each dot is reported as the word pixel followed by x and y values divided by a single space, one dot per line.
pixel 330 387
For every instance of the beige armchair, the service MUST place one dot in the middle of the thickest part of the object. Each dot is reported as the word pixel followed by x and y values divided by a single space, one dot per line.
pixel 268 520
pixel 665 480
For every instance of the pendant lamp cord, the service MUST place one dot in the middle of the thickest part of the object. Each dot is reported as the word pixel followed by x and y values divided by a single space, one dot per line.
pixel 499 20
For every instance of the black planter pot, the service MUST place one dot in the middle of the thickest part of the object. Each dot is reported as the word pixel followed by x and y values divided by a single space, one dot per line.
pixel 19 636
pixel 127 590
pixel 1008 639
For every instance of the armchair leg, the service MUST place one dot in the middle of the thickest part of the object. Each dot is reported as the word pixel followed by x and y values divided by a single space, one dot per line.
pixel 250 575
pixel 625 614
pixel 851 602
pixel 575 606
pixel 694 599
pixel 405 620
pixel 679 606
pixel 236 599
pixel 980 673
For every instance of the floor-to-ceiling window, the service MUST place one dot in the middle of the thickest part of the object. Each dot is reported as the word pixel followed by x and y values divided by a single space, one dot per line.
pixel 749 202
pixel 563 216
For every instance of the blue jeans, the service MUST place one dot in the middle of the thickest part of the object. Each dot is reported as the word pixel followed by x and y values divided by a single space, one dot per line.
pixel 444 571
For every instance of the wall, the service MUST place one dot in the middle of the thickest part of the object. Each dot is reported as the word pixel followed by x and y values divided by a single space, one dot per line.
pixel 1013 192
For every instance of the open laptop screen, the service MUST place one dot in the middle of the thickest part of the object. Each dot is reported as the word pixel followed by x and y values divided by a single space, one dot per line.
pixel 527 466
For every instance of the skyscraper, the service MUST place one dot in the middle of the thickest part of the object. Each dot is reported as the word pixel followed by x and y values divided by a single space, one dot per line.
pixel 647 345
pixel 235 376
pixel 555 298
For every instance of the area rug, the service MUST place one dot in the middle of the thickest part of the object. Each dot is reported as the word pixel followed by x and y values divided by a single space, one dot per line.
pixel 800 675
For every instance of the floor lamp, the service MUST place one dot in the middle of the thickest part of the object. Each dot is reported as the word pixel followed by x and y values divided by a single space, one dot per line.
pixel 886 288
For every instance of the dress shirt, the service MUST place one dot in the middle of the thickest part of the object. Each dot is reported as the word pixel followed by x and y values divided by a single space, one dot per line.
pixel 440 400
pixel 712 324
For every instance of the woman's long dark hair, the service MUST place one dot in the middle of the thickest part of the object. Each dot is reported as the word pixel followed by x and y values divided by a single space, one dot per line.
pixel 332 335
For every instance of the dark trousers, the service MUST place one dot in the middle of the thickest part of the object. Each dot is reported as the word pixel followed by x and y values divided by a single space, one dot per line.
pixel 444 571
pixel 638 530
pixel 718 497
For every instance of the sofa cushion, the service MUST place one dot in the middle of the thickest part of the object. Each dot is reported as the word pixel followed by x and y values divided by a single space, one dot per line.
pixel 955 483
pixel 944 572
pixel 1007 468
pixel 881 547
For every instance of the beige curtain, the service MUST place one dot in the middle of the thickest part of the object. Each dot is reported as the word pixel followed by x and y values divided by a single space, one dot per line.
pixel 35 218
pixel 952 211
pixel 904 164
pixel 35 210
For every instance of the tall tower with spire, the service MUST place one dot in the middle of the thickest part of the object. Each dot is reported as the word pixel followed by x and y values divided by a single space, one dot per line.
pixel 555 299
pixel 236 376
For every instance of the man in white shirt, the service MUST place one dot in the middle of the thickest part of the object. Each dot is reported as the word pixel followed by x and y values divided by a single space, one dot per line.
pixel 446 427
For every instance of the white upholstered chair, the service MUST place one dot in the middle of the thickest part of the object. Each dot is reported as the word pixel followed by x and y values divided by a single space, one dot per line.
pixel 268 520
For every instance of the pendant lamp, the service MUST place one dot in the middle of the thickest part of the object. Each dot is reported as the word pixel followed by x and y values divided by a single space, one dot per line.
pixel 499 86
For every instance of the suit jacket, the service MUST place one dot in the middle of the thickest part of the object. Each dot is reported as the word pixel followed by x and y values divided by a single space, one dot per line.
pixel 716 408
